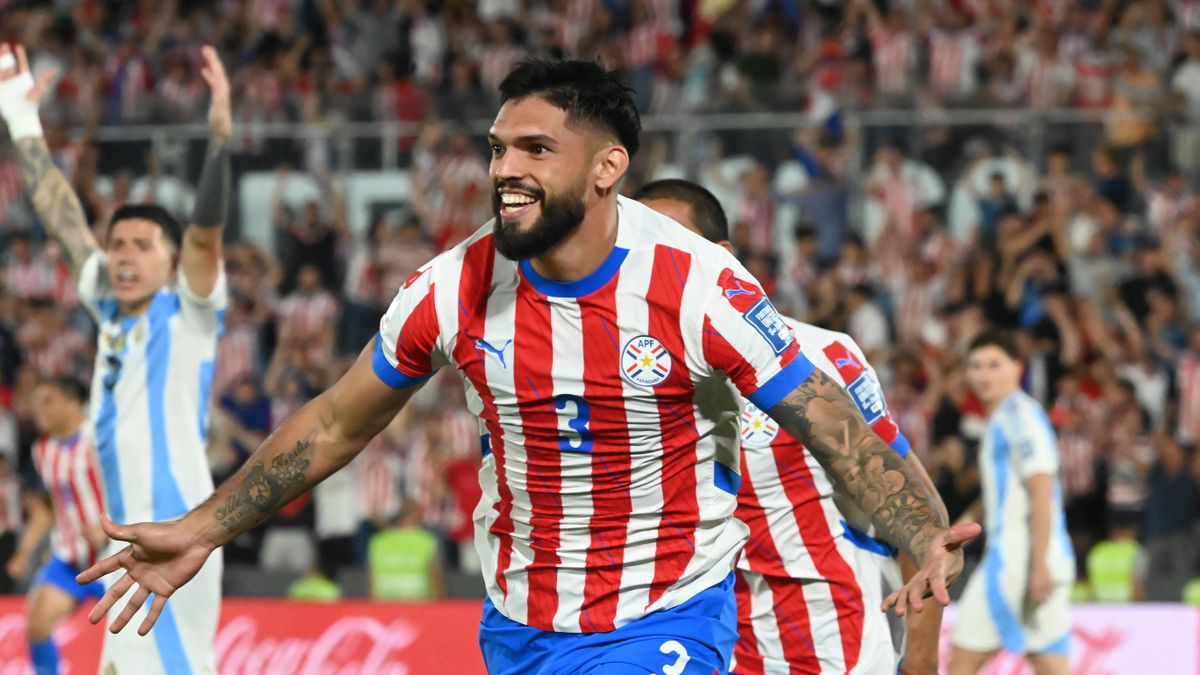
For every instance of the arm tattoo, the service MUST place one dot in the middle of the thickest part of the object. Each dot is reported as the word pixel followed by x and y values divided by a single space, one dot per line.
pixel 55 201
pixel 821 415
pixel 263 488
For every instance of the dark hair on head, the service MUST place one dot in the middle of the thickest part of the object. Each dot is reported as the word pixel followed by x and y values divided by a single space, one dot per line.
pixel 70 386
pixel 1002 340
pixel 865 290
pixel 804 229
pixel 587 92
pixel 706 210
pixel 154 213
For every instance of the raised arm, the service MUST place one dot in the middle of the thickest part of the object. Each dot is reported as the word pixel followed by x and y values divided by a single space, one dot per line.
pixel 56 204
pixel 822 416
pixel 319 439
pixel 200 259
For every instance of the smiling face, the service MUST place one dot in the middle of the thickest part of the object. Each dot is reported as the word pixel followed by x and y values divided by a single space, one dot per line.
pixel 139 262
pixel 543 176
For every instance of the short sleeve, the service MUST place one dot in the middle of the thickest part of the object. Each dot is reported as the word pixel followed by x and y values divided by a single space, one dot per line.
pixel 862 384
pixel 1036 450
pixel 747 339
pixel 93 288
pixel 406 348
pixel 208 313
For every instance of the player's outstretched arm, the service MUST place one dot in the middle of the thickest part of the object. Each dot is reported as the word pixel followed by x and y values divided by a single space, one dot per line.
pixel 319 439
pixel 923 628
pixel 821 415
pixel 56 204
pixel 200 259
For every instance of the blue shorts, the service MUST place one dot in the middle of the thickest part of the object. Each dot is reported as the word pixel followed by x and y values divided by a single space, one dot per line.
pixel 61 574
pixel 695 638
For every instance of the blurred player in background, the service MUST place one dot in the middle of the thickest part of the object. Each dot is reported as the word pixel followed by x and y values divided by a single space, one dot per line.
pixel 1018 599
pixel 582 324
pixel 158 295
pixel 811 579
pixel 68 505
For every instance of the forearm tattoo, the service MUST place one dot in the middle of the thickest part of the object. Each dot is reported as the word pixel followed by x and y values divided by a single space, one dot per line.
pixel 261 488
pixel 821 415
pixel 55 201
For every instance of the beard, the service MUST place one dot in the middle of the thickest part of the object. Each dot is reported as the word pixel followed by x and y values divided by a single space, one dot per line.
pixel 561 215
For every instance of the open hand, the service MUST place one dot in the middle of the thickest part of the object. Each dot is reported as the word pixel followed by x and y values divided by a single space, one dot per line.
pixel 160 558
pixel 943 564
pixel 220 114
pixel 1041 584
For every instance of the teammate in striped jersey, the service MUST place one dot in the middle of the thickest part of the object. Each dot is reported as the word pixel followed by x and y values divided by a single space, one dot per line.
pixel 68 507
pixel 811 576
pixel 587 329
pixel 1018 599
pixel 158 296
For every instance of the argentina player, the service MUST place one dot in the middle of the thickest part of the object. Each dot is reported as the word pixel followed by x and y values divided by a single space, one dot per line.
pixel 157 293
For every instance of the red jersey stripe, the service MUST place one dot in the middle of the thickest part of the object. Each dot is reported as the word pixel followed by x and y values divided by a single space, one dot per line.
pixel 749 660
pixel 532 362
pixel 474 283
pixel 681 509
pixel 418 337
pixel 610 459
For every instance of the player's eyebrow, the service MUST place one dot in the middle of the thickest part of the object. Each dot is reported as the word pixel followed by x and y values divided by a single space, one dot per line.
pixel 528 139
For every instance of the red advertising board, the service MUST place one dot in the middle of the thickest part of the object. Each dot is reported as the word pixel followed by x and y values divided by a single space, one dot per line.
pixel 269 637
pixel 278 637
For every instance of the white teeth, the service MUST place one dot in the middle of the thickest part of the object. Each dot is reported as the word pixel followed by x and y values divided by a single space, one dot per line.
pixel 515 199
pixel 125 276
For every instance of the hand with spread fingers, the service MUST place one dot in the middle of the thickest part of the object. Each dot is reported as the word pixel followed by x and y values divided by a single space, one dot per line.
pixel 220 113
pixel 943 564
pixel 160 558
pixel 20 94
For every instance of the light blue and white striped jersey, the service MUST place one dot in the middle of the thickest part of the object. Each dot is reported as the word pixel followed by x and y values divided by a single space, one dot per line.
pixel 1020 443
pixel 150 395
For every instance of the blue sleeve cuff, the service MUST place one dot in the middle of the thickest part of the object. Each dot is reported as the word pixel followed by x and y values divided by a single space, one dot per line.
pixel 773 390
pixel 901 445
pixel 388 373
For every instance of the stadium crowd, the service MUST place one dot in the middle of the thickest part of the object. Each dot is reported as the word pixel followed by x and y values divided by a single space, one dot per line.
pixel 1090 248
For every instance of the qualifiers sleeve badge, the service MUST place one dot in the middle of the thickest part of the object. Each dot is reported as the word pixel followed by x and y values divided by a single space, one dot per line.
pixel 645 362
pixel 757 310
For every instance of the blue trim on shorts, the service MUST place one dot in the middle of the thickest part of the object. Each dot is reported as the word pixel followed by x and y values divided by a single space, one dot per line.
pixel 704 627
pixel 61 575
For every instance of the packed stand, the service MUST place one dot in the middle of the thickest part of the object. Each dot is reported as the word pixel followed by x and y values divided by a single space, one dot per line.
pixel 909 237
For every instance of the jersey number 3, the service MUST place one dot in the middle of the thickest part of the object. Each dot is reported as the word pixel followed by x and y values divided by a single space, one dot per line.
pixel 577 437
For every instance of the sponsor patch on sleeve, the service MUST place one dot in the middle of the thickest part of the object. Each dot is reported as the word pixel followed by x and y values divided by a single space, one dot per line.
pixel 769 324
pixel 868 396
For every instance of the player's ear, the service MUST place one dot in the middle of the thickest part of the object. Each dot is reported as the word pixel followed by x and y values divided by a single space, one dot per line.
pixel 612 164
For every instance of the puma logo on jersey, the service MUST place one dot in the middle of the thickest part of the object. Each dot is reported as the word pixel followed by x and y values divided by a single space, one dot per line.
pixel 846 361
pixel 731 293
pixel 483 346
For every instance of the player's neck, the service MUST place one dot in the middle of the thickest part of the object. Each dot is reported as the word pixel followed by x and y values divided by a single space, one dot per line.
pixel 1000 399
pixel 137 307
pixel 585 249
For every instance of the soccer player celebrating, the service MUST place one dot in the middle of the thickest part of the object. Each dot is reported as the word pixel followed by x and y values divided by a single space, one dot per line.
pixel 1019 597
pixel 68 505
pixel 157 293
pixel 582 324
pixel 810 580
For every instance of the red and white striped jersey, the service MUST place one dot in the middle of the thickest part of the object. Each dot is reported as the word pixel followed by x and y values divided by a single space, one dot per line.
pixel 796 529
pixel 953 58
pixel 69 472
pixel 892 52
pixel 609 482
pixel 1187 380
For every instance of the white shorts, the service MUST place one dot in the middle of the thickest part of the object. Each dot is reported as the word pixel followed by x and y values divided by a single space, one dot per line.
pixel 992 614
pixel 181 642
pixel 812 626
pixel 883 633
